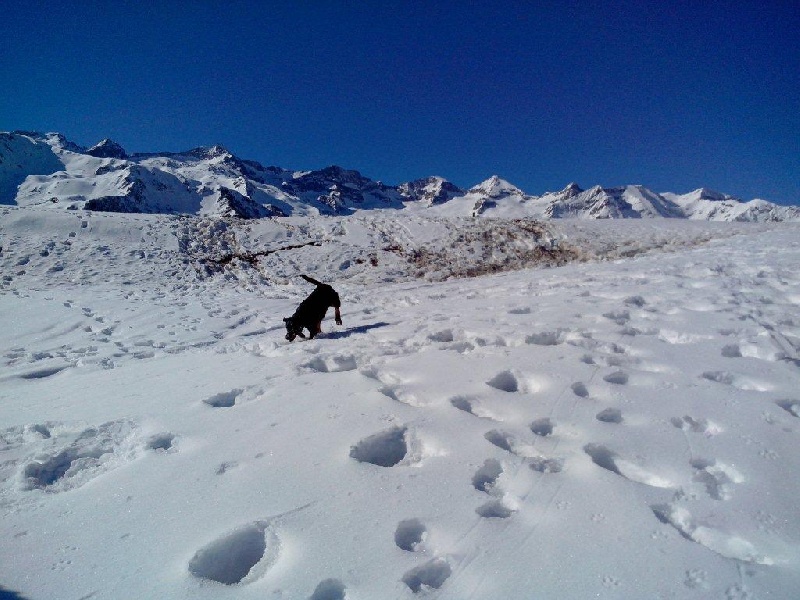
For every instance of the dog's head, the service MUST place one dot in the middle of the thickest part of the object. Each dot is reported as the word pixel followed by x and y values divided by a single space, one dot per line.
pixel 293 329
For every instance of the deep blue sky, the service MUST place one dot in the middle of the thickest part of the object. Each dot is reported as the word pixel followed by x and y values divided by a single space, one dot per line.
pixel 673 95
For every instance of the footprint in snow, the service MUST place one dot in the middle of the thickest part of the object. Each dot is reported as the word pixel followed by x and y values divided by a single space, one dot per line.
pixel 609 460
pixel 716 477
pixel 620 317
pixel 472 406
pixel 430 576
pixel 544 464
pixel 790 406
pixel 161 442
pixel 752 351
pixel 636 301
pixel 723 543
pixel 234 396
pixel 501 439
pixel 740 382
pixel 330 589
pixel 485 478
pixel 445 335
pixel 512 381
pixel 680 337
pixel 44 373
pixel 543 427
pixel 505 381
pixel 388 448
pixel 410 535
pixel 402 395
pixel 332 364
pixel 496 509
pixel 546 338
pixel 580 389
pixel 224 399
pixel 617 378
pixel 610 415
pixel 690 424
pixel 91 453
pixel 241 556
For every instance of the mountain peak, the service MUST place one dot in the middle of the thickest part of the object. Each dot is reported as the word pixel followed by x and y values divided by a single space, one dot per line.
pixel 707 194
pixel 107 149
pixel 429 191
pixel 495 187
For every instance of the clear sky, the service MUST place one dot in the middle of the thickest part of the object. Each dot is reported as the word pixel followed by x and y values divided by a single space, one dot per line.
pixel 673 95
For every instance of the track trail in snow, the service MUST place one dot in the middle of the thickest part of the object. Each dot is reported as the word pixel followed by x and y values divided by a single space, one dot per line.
pixel 591 430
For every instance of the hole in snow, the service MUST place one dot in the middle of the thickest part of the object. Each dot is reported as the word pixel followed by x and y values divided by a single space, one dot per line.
pixel 545 338
pixel 330 589
pixel 410 534
pixel 42 373
pixel 580 389
pixel 92 452
pixel 161 441
pixel 486 477
pixel 609 415
pixel 233 557
pixel 445 335
pixel 505 381
pixel 384 449
pixel 333 364
pixel 41 475
pixel 542 427
pixel 495 509
pixel 462 403
pixel 431 575
pixel 473 406
pixel 223 399
pixel 542 464
pixel 617 377
pixel 500 439
pixel 790 406
pixel 602 457
pixel 732 351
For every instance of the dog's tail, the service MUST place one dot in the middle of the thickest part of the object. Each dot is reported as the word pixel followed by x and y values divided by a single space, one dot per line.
pixel 310 280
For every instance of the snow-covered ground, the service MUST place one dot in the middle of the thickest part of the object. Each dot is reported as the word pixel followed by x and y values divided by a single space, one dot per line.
pixel 624 428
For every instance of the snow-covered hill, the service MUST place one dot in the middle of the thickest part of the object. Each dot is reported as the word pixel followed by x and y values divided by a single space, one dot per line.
pixel 42 169
pixel 616 429
pixel 703 204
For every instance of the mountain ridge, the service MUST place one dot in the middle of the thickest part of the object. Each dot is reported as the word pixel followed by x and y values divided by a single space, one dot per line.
pixel 47 168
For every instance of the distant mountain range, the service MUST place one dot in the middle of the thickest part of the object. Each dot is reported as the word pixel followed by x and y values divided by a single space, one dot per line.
pixel 48 169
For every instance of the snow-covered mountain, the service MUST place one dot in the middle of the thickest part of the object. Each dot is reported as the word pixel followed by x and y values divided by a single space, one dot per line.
pixel 708 205
pixel 430 191
pixel 42 169
pixel 632 201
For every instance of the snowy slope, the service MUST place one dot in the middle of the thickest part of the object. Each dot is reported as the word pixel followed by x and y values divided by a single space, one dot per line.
pixel 709 205
pixel 20 156
pixel 616 429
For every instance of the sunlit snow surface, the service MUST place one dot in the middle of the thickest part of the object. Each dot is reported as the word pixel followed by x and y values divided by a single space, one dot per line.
pixel 623 428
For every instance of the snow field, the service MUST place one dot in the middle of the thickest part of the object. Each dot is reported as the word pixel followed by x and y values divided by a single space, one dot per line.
pixel 618 430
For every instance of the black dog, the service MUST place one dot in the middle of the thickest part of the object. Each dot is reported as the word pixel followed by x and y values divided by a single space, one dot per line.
pixel 312 310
